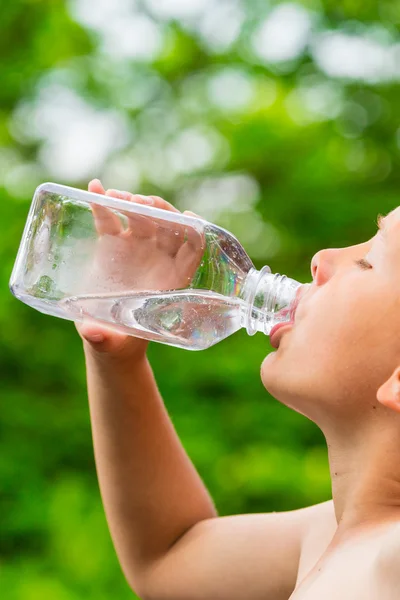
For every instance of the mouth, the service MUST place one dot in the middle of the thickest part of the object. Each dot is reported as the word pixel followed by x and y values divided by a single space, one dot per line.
pixel 278 330
pixel 293 308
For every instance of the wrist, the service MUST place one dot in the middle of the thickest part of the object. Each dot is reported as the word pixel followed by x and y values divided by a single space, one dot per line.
pixel 125 377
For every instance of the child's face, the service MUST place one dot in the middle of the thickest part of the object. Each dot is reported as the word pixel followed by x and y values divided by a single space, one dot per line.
pixel 345 342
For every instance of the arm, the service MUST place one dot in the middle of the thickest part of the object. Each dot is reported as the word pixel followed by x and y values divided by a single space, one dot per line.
pixel 151 492
pixel 169 541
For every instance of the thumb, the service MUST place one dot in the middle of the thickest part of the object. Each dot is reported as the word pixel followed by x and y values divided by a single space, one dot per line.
pixel 99 338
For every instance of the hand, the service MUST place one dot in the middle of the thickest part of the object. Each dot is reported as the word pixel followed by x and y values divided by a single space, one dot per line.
pixel 142 254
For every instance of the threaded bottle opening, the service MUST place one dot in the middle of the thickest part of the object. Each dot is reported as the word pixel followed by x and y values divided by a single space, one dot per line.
pixel 251 317
pixel 269 299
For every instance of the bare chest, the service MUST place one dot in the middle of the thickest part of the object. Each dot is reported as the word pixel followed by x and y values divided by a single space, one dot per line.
pixel 350 573
pixel 339 580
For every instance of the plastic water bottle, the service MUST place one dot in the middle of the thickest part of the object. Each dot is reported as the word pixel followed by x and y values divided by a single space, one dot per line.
pixel 151 273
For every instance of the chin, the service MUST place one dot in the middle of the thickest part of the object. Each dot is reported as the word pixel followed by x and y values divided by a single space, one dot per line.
pixel 270 374
pixel 282 382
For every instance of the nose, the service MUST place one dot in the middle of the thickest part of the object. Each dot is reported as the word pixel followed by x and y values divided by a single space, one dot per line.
pixel 323 265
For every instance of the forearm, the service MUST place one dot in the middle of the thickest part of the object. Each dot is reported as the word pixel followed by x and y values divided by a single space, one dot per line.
pixel 151 492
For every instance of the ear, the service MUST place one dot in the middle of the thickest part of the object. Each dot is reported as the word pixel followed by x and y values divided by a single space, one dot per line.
pixel 389 392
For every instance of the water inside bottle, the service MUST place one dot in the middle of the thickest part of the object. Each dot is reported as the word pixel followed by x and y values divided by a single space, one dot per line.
pixel 165 277
pixel 193 319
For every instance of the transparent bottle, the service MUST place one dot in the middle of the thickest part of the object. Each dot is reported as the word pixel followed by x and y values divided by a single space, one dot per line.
pixel 155 274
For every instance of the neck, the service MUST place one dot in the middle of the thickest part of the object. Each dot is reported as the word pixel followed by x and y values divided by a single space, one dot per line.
pixel 364 460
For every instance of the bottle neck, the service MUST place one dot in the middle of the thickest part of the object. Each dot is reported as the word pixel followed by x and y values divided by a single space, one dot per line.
pixel 269 298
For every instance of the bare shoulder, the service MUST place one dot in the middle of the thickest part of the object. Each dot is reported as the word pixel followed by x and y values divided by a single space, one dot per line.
pixel 385 572
pixel 320 529
pixel 324 511
pixel 242 556
pixel 388 553
pixel 321 520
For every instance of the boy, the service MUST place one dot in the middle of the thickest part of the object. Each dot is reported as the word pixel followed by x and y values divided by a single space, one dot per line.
pixel 168 537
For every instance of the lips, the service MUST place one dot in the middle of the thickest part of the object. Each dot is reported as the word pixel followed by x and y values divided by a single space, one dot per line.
pixel 278 330
pixel 293 308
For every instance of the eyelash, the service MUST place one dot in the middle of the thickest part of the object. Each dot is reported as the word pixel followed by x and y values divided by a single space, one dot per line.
pixel 363 264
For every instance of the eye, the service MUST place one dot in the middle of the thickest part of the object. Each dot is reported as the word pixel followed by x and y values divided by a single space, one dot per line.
pixel 363 264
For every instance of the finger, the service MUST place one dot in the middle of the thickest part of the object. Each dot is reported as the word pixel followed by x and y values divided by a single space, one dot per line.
pixel 104 341
pixel 154 201
pixel 189 257
pixel 195 239
pixel 140 225
pixel 167 233
pixel 96 187
pixel 101 339
pixel 192 235
pixel 163 204
pixel 170 236
pixel 105 221
pixel 127 196
pixel 192 214
pixel 90 333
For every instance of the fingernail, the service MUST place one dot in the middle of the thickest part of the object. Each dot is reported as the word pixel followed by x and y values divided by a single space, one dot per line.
pixel 118 194
pixel 146 199
pixel 95 338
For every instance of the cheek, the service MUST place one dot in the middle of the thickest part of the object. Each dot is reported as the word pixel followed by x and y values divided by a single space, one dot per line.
pixel 326 354
pixel 336 335
pixel 339 316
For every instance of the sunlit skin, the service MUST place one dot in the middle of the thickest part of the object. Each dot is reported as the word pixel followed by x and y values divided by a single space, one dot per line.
pixel 348 382
pixel 168 537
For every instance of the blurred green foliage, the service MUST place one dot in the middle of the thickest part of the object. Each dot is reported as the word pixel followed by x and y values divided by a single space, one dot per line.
pixel 272 141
